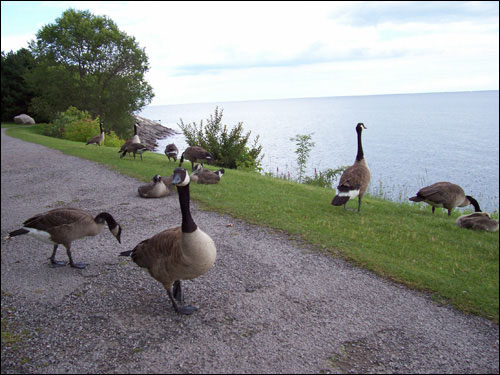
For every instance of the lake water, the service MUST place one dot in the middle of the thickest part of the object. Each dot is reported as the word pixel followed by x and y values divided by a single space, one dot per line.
pixel 411 140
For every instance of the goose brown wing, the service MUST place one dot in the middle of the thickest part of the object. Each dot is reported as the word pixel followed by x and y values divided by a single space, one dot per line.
pixel 162 247
pixel 56 218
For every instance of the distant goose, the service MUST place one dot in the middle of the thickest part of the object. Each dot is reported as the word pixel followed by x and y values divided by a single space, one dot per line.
pixel 134 139
pixel 62 226
pixel 98 139
pixel 205 176
pixel 445 195
pixel 478 221
pixel 176 254
pixel 355 179
pixel 194 154
pixel 135 148
pixel 171 151
pixel 156 189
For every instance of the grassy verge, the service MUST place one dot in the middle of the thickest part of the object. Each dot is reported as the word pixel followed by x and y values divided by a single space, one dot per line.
pixel 403 242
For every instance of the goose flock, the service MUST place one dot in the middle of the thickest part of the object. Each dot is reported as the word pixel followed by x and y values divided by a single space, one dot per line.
pixel 186 252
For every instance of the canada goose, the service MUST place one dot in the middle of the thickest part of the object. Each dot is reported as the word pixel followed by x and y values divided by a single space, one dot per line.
pixel 134 139
pixel 478 221
pixel 446 195
pixel 195 153
pixel 135 148
pixel 205 176
pixel 156 189
pixel 62 226
pixel 355 179
pixel 171 151
pixel 175 254
pixel 98 139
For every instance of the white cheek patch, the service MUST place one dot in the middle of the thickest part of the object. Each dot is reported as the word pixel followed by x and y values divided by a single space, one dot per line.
pixel 185 181
pixel 351 194
pixel 40 235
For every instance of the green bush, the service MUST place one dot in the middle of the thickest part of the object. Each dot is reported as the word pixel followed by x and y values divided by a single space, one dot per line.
pixel 112 140
pixel 228 147
pixel 58 127
pixel 81 130
pixel 325 178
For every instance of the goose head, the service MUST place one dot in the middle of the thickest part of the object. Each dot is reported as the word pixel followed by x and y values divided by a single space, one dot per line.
pixel 181 177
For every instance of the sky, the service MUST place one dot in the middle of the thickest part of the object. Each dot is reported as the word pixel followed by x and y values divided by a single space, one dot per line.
pixel 208 52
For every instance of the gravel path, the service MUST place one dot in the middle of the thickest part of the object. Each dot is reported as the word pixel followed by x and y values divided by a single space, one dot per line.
pixel 268 305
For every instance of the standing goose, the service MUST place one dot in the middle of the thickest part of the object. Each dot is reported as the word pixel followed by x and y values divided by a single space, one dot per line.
pixel 156 189
pixel 135 148
pixel 195 153
pixel 205 176
pixel 445 195
pixel 171 151
pixel 355 179
pixel 62 226
pixel 98 139
pixel 175 254
pixel 478 221
pixel 134 139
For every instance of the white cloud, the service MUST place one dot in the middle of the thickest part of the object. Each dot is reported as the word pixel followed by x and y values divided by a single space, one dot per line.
pixel 220 51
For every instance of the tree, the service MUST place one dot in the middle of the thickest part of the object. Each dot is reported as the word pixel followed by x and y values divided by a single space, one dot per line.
pixel 16 94
pixel 85 61
pixel 304 146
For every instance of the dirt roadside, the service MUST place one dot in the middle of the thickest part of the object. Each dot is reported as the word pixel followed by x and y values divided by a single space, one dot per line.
pixel 267 306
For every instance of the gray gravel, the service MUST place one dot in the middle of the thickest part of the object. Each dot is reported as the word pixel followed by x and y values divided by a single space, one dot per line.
pixel 269 305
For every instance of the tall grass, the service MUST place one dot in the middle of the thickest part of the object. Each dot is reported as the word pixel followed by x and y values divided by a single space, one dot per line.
pixel 400 241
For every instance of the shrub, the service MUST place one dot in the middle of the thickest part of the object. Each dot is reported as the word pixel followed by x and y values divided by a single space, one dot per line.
pixel 81 130
pixel 304 145
pixel 228 147
pixel 58 127
pixel 325 178
pixel 112 140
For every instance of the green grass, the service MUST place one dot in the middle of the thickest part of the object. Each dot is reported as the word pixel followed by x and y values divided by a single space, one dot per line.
pixel 400 241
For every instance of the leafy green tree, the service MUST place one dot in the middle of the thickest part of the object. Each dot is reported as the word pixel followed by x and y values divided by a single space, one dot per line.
pixel 85 61
pixel 228 147
pixel 304 146
pixel 16 94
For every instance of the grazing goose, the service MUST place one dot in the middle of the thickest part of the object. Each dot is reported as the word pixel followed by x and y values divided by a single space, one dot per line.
pixel 446 195
pixel 62 226
pixel 134 139
pixel 135 148
pixel 98 139
pixel 478 221
pixel 355 179
pixel 171 151
pixel 195 153
pixel 205 176
pixel 156 189
pixel 176 254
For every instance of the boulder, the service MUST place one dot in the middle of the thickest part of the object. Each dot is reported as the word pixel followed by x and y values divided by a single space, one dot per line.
pixel 23 119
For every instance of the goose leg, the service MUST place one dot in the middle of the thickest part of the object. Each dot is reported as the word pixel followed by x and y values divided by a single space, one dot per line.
pixel 73 264
pixel 433 208
pixel 359 203
pixel 178 292
pixel 180 307
pixel 53 261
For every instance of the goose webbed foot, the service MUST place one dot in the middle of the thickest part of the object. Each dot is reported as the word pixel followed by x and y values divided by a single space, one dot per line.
pixel 179 306
pixel 80 266
pixel 56 263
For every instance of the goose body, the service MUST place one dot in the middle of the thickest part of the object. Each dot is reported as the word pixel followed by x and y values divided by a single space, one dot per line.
pixel 478 221
pixel 159 187
pixel 355 179
pixel 171 151
pixel 62 226
pixel 135 148
pixel 175 254
pixel 98 139
pixel 134 139
pixel 195 154
pixel 445 195
pixel 205 176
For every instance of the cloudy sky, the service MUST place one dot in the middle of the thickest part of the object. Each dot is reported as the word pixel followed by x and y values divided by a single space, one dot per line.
pixel 206 52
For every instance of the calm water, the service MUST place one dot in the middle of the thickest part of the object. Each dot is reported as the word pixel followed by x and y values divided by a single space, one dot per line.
pixel 412 140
